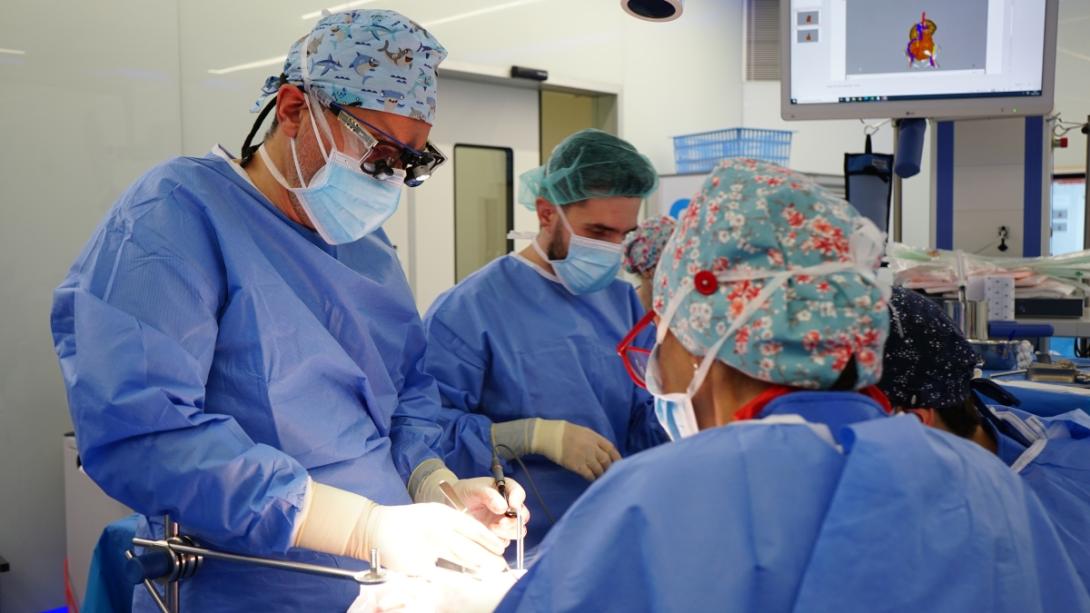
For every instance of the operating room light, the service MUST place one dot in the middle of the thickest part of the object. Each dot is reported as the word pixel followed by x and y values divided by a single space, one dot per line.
pixel 478 12
pixel 272 61
pixel 653 10
pixel 338 7
pixel 1078 56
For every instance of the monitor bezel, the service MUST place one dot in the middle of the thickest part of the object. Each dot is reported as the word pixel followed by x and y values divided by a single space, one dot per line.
pixel 948 108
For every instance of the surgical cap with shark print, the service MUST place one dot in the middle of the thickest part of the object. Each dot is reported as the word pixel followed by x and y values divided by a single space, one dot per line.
pixel 372 59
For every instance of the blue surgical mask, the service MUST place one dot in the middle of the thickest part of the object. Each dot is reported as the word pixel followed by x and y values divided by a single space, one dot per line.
pixel 677 417
pixel 343 202
pixel 591 265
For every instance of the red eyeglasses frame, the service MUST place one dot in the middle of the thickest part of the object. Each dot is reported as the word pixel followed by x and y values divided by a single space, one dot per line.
pixel 626 346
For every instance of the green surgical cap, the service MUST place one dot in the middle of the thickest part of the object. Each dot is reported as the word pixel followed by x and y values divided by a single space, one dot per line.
pixel 589 164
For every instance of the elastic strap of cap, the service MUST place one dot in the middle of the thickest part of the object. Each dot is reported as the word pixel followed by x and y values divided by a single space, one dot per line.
pixel 248 148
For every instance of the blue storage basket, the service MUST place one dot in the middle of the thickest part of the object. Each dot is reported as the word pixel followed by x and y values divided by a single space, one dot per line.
pixel 696 153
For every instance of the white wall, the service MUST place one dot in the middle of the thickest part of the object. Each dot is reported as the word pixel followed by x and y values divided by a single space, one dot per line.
pixel 681 77
pixel 1073 79
pixel 92 104
pixel 989 175
pixel 989 154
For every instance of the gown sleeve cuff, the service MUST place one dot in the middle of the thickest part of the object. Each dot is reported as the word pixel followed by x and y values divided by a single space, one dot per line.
pixel 329 519
pixel 516 435
pixel 425 480
pixel 301 516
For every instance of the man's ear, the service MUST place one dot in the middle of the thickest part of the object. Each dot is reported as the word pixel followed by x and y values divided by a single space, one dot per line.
pixel 291 107
pixel 546 213
pixel 927 416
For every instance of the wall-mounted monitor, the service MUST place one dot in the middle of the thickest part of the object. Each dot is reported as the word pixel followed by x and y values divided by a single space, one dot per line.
pixel 846 59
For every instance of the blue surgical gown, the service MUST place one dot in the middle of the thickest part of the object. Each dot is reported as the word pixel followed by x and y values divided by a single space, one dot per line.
pixel 1056 466
pixel 1047 400
pixel 847 511
pixel 215 354
pixel 510 343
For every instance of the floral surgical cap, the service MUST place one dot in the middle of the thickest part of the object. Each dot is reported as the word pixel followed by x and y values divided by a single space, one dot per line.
pixel 643 246
pixel 755 222
pixel 928 363
pixel 372 59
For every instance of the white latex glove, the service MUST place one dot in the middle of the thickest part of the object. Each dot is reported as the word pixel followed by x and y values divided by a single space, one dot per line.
pixel 410 538
pixel 580 450
pixel 482 500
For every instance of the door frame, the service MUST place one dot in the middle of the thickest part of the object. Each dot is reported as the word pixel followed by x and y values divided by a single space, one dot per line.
pixel 509 205
pixel 494 75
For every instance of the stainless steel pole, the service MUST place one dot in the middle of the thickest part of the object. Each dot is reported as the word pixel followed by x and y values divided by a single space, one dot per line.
pixel 313 569
pixel 174 588
pixel 1086 182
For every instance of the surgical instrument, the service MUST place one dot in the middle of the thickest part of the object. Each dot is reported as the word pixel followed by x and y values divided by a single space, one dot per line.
pixel 519 553
pixel 452 497
pixel 177 557
pixel 501 484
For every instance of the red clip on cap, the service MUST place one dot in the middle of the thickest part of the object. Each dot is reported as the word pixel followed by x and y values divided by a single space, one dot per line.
pixel 705 282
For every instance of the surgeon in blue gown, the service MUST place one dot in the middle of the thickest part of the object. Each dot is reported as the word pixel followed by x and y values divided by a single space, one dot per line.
pixel 524 349
pixel 242 351
pixel 928 371
pixel 790 488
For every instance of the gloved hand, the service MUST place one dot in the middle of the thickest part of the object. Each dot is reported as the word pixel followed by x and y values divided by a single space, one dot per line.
pixel 484 503
pixel 480 496
pixel 410 538
pixel 580 450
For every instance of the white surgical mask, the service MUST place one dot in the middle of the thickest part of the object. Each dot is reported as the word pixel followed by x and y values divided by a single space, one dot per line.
pixel 867 243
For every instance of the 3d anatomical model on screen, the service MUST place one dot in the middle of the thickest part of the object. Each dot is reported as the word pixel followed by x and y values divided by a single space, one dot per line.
pixel 922 50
